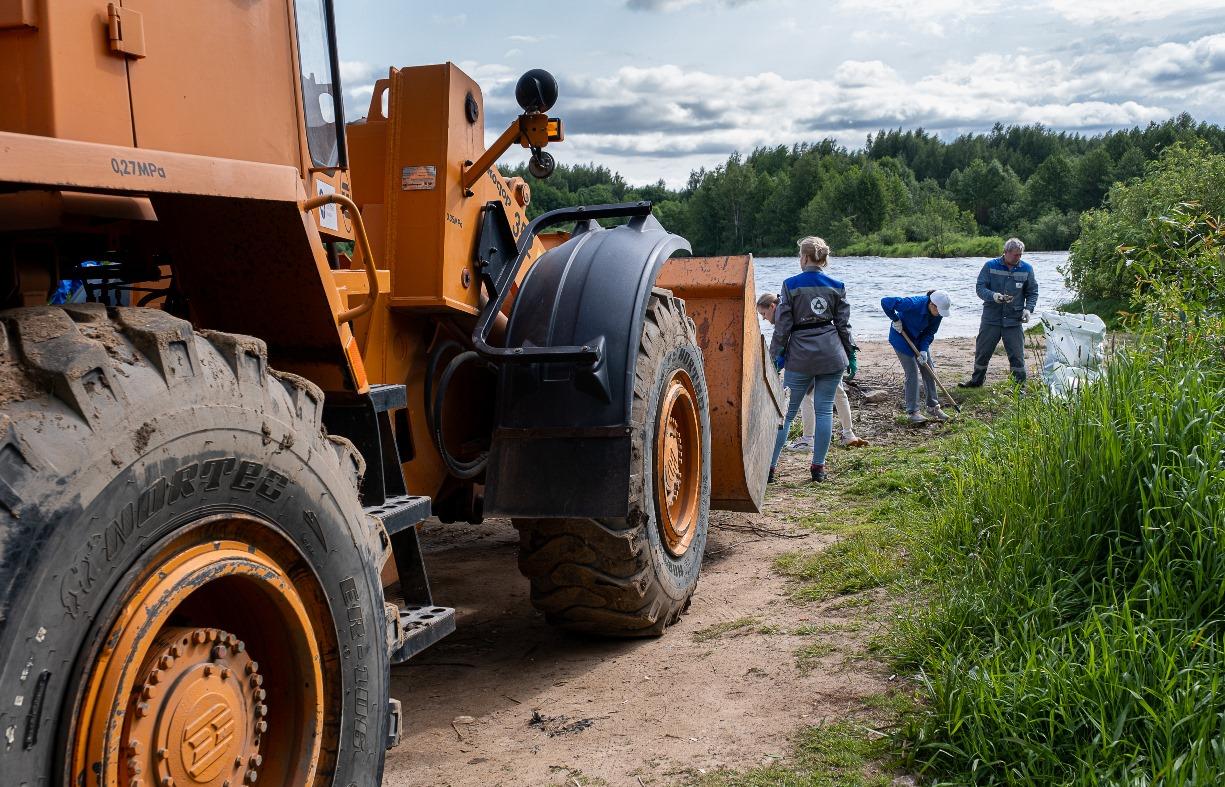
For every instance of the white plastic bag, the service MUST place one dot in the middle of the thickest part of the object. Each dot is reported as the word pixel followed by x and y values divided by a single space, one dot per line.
pixel 1074 350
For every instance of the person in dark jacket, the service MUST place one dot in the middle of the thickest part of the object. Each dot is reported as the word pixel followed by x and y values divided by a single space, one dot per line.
pixel 919 316
pixel 1009 290
pixel 812 343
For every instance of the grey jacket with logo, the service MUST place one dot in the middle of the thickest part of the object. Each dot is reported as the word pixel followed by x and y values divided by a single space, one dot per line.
pixel 1018 281
pixel 812 329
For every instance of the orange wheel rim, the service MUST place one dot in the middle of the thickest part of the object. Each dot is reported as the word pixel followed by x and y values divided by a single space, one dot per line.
pixel 678 464
pixel 175 698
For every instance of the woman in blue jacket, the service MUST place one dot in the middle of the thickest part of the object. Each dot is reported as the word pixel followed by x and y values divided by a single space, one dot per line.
pixel 812 342
pixel 919 316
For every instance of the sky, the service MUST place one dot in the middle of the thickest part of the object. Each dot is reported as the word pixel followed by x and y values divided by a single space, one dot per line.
pixel 655 89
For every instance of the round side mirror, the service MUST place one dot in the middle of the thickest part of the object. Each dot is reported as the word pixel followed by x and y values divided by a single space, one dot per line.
pixel 536 91
pixel 541 165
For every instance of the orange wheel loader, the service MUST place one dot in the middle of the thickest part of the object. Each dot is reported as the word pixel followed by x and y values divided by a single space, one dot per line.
pixel 247 349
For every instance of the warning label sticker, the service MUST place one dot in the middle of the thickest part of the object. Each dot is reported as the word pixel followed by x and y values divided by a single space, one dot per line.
pixel 329 217
pixel 418 178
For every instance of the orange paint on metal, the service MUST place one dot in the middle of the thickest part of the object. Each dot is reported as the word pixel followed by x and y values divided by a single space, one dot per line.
pixel 40 161
pixel 164 699
pixel 363 245
pixel 198 705
pixel 678 464
pixel 360 380
pixel 60 78
pixel 719 296
pixel 431 219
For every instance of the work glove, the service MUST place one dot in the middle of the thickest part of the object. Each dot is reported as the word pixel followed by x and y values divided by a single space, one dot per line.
pixel 852 368
pixel 897 326
pixel 925 358
pixel 1002 298
pixel 778 362
pixel 1025 315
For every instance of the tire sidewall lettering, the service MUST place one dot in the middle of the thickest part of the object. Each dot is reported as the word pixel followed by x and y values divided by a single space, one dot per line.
pixel 97 548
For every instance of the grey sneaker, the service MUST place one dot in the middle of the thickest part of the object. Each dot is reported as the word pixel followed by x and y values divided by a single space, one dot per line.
pixel 937 414
pixel 916 418
pixel 800 444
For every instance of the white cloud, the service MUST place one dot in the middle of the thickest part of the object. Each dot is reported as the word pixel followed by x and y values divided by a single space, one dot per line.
pixel 863 73
pixel 1202 59
pixel 662 121
pixel 1091 11
pixel 929 16
pixel 922 16
pixel 676 5
pixel 355 71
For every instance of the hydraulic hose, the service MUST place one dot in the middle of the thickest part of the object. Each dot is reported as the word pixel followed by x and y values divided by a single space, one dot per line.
pixel 471 468
pixel 433 408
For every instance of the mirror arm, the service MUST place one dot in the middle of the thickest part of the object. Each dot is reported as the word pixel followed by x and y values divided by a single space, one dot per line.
pixel 473 172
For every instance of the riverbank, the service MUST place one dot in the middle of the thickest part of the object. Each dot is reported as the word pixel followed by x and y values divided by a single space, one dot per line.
pixel 985 246
pixel 774 675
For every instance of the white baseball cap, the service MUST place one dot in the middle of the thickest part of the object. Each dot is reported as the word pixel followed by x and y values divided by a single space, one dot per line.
pixel 941 299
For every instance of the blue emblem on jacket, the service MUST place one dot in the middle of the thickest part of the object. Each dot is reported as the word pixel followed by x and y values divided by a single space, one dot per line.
pixel 921 325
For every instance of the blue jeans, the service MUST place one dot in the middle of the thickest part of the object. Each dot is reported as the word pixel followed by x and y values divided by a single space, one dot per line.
pixel 824 387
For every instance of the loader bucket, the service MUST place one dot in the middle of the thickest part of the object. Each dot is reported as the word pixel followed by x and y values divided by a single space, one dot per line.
pixel 746 403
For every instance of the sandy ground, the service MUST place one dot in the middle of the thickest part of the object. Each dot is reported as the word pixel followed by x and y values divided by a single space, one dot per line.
pixel 507 700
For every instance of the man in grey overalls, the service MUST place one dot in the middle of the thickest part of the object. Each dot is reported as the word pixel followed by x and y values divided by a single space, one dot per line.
pixel 1009 291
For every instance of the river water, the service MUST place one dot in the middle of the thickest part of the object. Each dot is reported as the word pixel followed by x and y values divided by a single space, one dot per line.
pixel 868 279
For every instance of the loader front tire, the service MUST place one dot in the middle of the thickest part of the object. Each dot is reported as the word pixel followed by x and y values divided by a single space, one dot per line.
pixel 188 586
pixel 634 576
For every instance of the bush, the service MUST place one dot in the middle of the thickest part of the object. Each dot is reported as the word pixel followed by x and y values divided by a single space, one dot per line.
pixel 1052 231
pixel 1097 268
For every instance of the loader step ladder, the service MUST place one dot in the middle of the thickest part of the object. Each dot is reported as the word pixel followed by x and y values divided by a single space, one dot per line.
pixel 420 622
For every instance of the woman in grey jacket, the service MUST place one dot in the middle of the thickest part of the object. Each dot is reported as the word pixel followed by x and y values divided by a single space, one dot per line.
pixel 812 343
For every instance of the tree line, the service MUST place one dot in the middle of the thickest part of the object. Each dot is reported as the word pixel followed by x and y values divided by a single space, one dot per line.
pixel 905 193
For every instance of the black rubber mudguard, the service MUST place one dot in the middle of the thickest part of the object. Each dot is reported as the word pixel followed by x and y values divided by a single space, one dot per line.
pixel 561 446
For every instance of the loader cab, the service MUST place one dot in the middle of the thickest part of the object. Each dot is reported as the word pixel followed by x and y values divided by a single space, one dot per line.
pixel 326 154
pixel 318 66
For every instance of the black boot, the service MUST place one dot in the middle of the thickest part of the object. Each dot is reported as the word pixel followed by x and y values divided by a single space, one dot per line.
pixel 970 384
pixel 770 478
pixel 818 472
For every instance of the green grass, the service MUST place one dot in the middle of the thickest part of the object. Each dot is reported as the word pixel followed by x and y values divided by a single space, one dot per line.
pixel 861 562
pixel 1076 627
pixel 808 656
pixel 868 504
pixel 955 246
pixel 834 755
pixel 726 627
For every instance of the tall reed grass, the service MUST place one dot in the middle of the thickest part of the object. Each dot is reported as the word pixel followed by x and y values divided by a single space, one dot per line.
pixel 1076 626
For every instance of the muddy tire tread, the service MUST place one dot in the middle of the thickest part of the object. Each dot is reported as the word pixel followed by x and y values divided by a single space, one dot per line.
pixel 596 575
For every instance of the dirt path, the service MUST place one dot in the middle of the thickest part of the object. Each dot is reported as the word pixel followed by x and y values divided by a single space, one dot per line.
pixel 507 700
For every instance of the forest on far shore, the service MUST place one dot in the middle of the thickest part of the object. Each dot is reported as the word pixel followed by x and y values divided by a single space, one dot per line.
pixel 906 193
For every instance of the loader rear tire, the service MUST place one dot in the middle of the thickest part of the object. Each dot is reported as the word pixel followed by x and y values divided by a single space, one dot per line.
pixel 188 586
pixel 634 576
